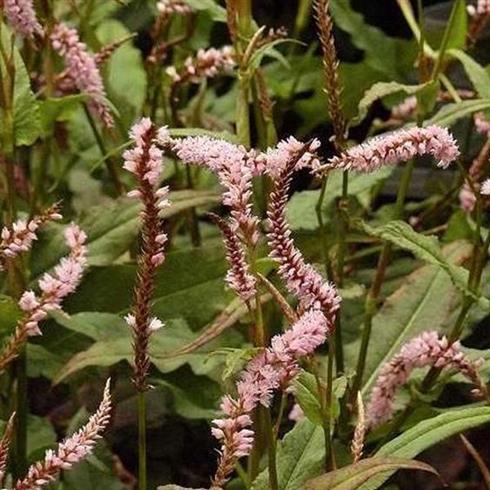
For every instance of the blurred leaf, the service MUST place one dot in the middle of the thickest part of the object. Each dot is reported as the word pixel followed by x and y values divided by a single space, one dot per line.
pixel 58 109
pixel 10 313
pixel 450 113
pixel 26 121
pixel 476 72
pixel 427 433
pixel 388 55
pixel 426 299
pixel 457 27
pixel 350 477
pixel 41 437
pixel 300 456
pixel 217 12
pixel 383 89
pixel 425 247
pixel 125 73
pixel 41 362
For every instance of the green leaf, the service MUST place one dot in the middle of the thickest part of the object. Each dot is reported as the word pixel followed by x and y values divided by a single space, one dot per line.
pixel 476 73
pixel 125 74
pixel 388 55
pixel 425 247
pixel 300 457
pixel 111 229
pixel 425 300
pixel 457 27
pixel 350 477
pixel 218 13
pixel 427 433
pixel 163 344
pixel 301 211
pixel 26 121
pixel 306 394
pixel 58 109
pixel 450 113
pixel 382 89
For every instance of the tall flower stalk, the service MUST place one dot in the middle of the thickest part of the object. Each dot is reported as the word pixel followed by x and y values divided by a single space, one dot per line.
pixel 145 161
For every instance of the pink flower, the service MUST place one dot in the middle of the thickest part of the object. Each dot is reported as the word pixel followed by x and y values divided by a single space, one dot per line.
pixel 82 70
pixel 71 450
pixel 467 199
pixel 296 414
pixel 270 370
pixel 22 17
pixel 482 124
pixel 485 188
pixel 425 350
pixel 20 236
pixel 301 278
pixel 396 147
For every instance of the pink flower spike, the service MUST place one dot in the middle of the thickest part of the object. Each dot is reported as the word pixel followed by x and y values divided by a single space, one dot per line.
pixel 82 69
pixel 397 147
pixel 22 17
pixel 425 350
pixel 485 188
pixel 71 450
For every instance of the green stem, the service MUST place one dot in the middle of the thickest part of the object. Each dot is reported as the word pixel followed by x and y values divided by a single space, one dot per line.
pixel 22 411
pixel 142 479
pixel 111 166
pixel 271 447
pixel 370 308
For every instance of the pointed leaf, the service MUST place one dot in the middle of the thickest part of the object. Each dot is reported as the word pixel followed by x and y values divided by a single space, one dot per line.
pixel 350 477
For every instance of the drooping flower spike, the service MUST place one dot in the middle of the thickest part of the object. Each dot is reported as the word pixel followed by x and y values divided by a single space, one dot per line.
pixel 71 451
pixel 54 288
pixel 272 369
pixel 301 279
pixel 397 147
pixel 145 161
pixel 20 236
pixel 82 69
pixel 22 17
pixel 426 350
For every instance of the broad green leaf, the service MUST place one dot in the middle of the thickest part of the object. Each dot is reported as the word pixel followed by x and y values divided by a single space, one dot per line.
pixel 217 12
pixel 9 314
pixel 350 477
pixel 111 229
pixel 457 27
pixel 425 247
pixel 125 73
pixel 450 113
pixel 427 433
pixel 163 344
pixel 382 89
pixel 426 300
pixel 478 76
pixel 388 55
pixel 301 211
pixel 26 121
pixel 58 109
pixel 300 457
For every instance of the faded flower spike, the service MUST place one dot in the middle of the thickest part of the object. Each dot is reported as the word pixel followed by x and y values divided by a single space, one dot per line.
pixel 428 349
pixel 207 64
pixel 272 369
pixel 54 288
pixel 19 237
pixel 301 278
pixel 71 450
pixel 145 161
pixel 169 7
pixel 22 17
pixel 82 69
pixel 397 147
